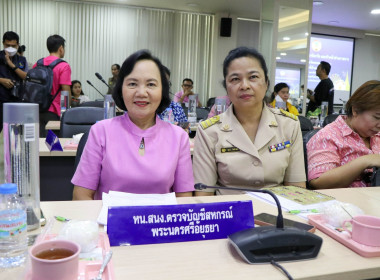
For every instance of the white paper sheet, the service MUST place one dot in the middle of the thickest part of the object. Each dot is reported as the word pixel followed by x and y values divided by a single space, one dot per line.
pixel 114 198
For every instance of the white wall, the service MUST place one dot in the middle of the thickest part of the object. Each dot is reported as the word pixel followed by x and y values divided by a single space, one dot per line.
pixel 366 61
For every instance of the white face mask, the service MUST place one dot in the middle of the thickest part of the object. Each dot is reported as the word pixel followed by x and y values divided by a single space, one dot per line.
pixel 11 51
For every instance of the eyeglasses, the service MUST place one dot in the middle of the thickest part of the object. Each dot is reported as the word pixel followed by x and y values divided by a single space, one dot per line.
pixel 187 85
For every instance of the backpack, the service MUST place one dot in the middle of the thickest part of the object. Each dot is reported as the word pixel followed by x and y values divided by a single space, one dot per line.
pixel 39 83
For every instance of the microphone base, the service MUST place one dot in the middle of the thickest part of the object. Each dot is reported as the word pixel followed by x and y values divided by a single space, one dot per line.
pixel 264 244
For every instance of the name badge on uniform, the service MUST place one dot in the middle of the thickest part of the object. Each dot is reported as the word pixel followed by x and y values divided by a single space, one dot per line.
pixel 280 146
pixel 229 150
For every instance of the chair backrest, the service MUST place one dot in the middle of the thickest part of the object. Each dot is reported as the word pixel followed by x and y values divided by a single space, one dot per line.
pixel 306 139
pixel 210 102
pixel 375 179
pixel 306 124
pixel 202 113
pixel 95 103
pixel 79 120
pixel 81 145
pixel 329 119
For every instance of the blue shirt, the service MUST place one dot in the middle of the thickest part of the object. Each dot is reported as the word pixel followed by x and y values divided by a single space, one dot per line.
pixel 178 112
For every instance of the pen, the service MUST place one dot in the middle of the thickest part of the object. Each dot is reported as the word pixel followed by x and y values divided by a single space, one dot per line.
pixel 303 211
pixel 62 219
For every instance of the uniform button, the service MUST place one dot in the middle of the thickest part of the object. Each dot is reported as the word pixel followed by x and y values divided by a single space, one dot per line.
pixel 255 163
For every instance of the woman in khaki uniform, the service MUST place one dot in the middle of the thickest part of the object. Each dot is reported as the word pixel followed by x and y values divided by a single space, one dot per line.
pixel 250 145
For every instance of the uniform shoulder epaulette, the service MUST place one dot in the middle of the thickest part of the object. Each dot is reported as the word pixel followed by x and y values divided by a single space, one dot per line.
pixel 289 115
pixel 209 122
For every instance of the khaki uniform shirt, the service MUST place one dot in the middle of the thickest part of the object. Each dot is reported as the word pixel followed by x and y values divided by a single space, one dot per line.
pixel 224 154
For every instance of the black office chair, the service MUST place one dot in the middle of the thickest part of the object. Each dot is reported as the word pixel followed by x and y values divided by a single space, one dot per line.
pixel 375 178
pixel 202 113
pixel 329 119
pixel 79 120
pixel 96 103
pixel 306 139
pixel 80 149
pixel 305 124
pixel 210 102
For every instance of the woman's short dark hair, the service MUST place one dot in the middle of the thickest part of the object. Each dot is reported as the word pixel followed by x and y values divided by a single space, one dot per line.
pixel 76 82
pixel 365 98
pixel 116 65
pixel 127 68
pixel 244 52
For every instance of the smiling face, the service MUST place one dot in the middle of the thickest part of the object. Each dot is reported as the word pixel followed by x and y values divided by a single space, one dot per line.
pixel 367 123
pixel 114 71
pixel 142 93
pixel 284 94
pixel 245 83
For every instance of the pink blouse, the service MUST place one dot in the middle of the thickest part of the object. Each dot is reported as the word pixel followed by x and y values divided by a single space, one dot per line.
pixel 335 145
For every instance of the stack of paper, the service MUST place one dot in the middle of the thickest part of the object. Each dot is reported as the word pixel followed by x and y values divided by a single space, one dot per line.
pixel 131 199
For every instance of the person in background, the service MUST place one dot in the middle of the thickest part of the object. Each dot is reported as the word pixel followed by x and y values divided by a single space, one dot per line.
pixel 61 80
pixel 177 110
pixel 77 95
pixel 213 108
pixel 136 152
pixel 187 90
pixel 12 71
pixel 250 145
pixel 281 93
pixel 343 153
pixel 115 69
pixel 20 52
pixel 324 92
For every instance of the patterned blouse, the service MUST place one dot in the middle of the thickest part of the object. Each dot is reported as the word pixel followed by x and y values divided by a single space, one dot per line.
pixel 178 112
pixel 335 145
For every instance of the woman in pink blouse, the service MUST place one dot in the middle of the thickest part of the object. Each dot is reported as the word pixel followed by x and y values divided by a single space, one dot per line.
pixel 343 153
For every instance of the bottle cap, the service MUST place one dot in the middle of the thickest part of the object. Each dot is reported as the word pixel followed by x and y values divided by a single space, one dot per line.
pixel 8 188
pixel 21 113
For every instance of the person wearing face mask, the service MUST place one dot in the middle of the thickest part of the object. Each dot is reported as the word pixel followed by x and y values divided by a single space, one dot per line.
pixel 280 97
pixel 12 71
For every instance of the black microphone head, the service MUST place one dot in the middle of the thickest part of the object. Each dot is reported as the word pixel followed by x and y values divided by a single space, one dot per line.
pixel 200 186
pixel 98 76
pixel 88 82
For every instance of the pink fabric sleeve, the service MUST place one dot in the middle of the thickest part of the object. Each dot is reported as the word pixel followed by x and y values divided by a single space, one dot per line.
pixel 322 154
pixel 183 178
pixel 65 77
pixel 177 96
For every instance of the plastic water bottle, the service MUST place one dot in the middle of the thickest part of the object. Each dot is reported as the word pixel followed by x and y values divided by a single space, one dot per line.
pixel 168 115
pixel 13 236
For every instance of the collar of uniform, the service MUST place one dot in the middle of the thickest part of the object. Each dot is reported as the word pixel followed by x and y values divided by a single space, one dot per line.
pixel 265 131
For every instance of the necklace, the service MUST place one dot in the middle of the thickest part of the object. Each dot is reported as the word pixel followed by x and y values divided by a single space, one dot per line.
pixel 142 147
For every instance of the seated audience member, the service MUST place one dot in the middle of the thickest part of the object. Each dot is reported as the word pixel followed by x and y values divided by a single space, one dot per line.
pixel 250 145
pixel 343 153
pixel 187 90
pixel 178 112
pixel 213 111
pixel 77 95
pixel 136 152
pixel 281 93
pixel 115 69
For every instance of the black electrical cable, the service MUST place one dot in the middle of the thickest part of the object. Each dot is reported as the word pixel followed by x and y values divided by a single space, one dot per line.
pixel 277 265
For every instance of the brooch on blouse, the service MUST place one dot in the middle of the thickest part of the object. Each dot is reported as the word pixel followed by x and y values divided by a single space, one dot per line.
pixel 142 147
pixel 280 146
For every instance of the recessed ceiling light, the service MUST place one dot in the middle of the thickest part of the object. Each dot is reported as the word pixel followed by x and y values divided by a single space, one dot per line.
pixel 318 3
pixel 277 57
pixel 303 60
pixel 283 53
pixel 286 38
pixel 375 12
pixel 307 34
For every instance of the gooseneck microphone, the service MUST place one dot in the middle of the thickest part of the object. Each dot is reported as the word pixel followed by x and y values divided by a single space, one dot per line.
pixel 280 219
pixel 268 244
pixel 101 78
pixel 88 82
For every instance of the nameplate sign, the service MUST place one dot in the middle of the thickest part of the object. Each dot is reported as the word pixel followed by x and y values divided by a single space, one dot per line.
pixel 136 225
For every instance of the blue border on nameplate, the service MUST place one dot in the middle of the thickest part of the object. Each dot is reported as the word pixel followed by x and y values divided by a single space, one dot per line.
pixel 136 225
